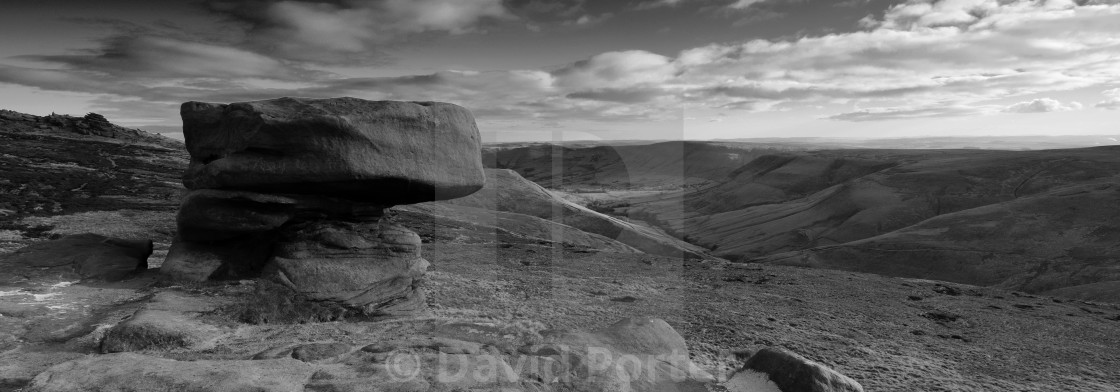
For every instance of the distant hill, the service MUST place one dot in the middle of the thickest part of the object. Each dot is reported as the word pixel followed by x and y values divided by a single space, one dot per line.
pixel 1036 142
pixel 512 204
pixel 940 142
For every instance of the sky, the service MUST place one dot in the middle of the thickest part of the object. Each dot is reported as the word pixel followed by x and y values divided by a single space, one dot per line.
pixel 536 70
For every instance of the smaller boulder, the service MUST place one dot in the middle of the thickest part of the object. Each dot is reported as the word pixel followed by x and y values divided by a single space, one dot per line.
pixel 166 322
pixel 794 373
pixel 78 257
pixel 317 352
pixel 634 354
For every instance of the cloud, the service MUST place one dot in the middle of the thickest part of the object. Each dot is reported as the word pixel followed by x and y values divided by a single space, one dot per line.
pixel 710 4
pixel 920 53
pixel 617 70
pixel 1112 100
pixel 629 96
pixel 349 31
pixel 913 112
pixel 1042 105
pixel 158 57
pixel 919 59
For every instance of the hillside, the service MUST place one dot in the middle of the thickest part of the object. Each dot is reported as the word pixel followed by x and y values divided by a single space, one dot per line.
pixel 508 193
pixel 1065 241
pixel 825 202
pixel 665 165
pixel 63 165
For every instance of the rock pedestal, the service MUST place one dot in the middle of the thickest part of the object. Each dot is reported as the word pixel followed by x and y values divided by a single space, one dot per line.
pixel 296 190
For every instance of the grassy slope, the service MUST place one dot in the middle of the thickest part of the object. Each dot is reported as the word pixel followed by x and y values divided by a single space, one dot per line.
pixel 50 168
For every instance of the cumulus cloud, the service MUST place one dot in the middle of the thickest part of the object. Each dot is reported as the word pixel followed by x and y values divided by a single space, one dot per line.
pixel 922 53
pixel 1042 105
pixel 1112 100
pixel 617 70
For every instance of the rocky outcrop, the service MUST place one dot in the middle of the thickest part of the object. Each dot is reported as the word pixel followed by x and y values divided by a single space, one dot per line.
pixel 77 257
pixel 296 190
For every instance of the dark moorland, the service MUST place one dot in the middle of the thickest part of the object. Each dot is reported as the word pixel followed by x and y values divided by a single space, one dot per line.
pixel 928 270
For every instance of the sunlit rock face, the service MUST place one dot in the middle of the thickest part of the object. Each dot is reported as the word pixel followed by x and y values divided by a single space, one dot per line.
pixel 295 190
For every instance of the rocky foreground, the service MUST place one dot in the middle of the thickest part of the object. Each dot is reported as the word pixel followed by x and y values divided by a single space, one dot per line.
pixel 513 299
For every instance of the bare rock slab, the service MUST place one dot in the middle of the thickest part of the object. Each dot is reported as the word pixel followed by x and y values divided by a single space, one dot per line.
pixel 794 373
pixel 388 152
pixel 168 321
pixel 135 372
pixel 77 257
pixel 633 354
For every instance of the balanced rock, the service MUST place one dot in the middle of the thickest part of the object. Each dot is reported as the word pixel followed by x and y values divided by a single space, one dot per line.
pixel 385 152
pixel 295 190
pixel 78 257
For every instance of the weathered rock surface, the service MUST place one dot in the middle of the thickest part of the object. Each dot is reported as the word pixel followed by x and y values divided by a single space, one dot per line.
pixel 77 257
pixel 379 151
pixel 166 322
pixel 209 215
pixel 634 354
pixel 135 372
pixel 794 373
pixel 372 266
pixel 201 261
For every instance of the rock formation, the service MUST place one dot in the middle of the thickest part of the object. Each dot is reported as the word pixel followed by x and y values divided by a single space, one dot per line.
pixel 296 189
pixel 77 257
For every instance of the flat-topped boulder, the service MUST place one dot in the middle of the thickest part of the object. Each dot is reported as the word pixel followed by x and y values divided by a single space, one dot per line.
pixel 385 152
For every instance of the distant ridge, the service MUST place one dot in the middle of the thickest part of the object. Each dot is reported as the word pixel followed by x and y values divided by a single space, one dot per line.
pixel 90 125
pixel 1030 142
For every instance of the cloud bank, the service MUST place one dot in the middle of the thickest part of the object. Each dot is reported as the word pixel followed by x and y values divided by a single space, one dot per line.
pixel 919 59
